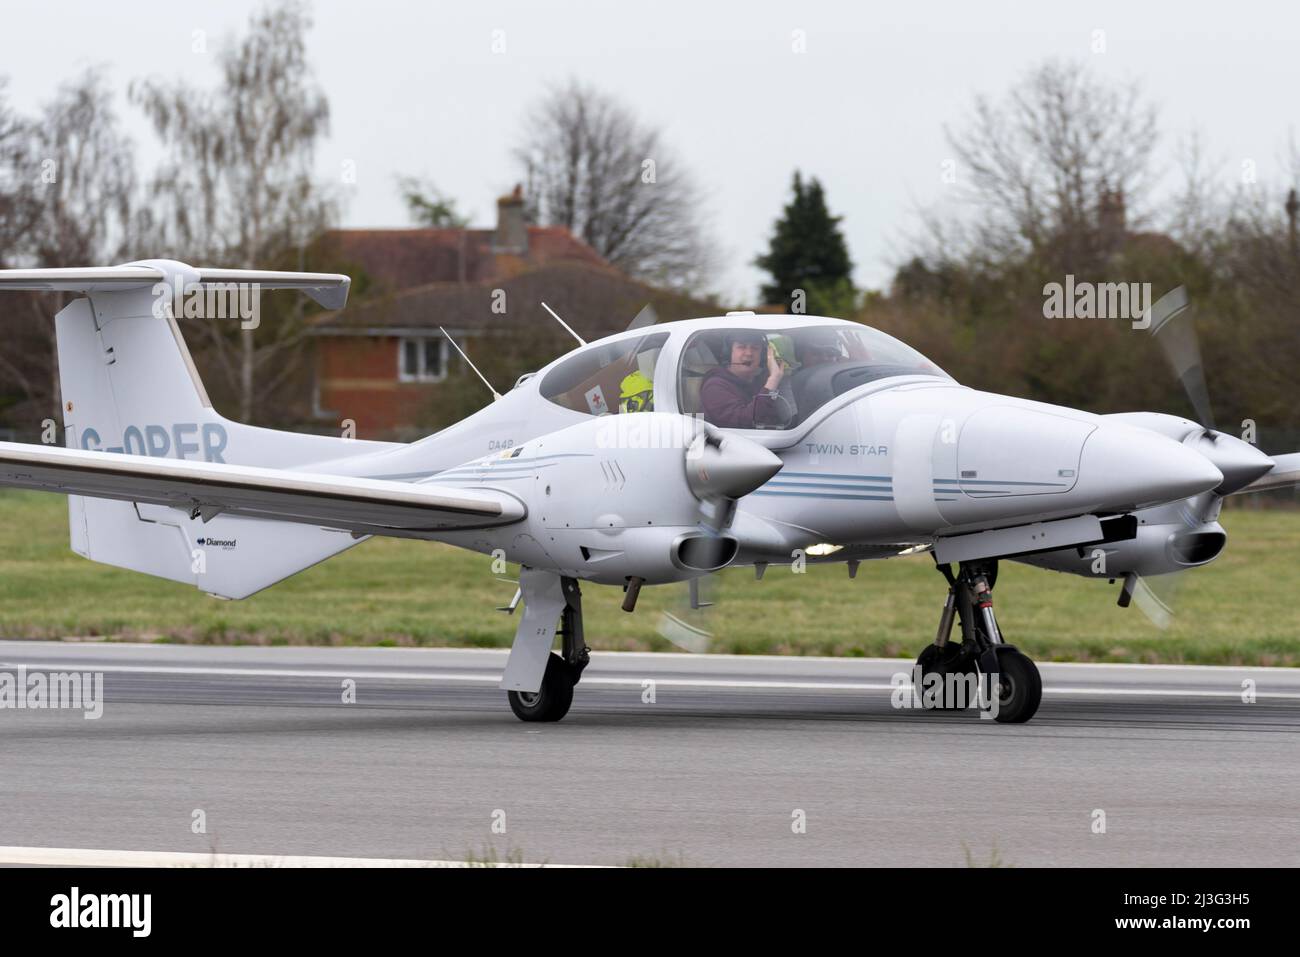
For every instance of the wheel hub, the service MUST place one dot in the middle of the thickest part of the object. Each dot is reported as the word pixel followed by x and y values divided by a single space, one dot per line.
pixel 1006 688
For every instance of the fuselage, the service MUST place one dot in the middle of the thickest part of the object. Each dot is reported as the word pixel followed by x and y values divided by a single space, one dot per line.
pixel 902 458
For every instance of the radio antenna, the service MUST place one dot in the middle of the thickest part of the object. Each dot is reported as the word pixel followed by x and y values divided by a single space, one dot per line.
pixel 581 341
pixel 495 394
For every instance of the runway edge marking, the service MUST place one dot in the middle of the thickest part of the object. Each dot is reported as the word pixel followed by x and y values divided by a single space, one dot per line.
pixel 96 857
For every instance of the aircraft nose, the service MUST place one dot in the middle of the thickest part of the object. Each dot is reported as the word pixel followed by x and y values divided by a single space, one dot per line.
pixel 728 466
pixel 1129 468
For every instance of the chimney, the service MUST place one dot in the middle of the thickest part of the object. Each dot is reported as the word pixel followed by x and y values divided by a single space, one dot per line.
pixel 1111 226
pixel 512 229
pixel 1292 208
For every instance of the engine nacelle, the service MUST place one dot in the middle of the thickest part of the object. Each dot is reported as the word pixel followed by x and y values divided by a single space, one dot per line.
pixel 621 497
pixel 658 555
pixel 1176 536
pixel 1157 549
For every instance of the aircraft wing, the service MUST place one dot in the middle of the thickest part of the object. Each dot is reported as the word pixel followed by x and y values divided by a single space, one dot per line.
pixel 1285 472
pixel 208 489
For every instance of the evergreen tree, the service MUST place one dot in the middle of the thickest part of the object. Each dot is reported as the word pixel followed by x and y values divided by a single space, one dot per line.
pixel 427 206
pixel 808 252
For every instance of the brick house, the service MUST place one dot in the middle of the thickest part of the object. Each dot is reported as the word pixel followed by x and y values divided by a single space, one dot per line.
pixel 382 360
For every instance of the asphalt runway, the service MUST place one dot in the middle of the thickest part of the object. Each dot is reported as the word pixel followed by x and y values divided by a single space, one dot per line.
pixel 714 771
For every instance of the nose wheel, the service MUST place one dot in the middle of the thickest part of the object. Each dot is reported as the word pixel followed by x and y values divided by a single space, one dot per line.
pixel 551 702
pixel 1019 687
pixel 981 668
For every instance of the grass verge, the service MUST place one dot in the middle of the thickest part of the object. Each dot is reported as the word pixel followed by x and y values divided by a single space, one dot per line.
pixel 389 592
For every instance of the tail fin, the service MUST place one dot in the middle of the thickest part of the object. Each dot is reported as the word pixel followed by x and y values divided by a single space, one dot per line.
pixel 129 385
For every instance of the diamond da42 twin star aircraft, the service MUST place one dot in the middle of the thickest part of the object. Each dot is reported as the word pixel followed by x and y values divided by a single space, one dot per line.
pixel 657 455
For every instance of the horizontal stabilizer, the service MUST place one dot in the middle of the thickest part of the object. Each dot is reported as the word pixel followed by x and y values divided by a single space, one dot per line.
pixel 328 289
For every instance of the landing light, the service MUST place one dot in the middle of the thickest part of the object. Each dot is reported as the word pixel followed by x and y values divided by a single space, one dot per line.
pixel 915 549
pixel 817 551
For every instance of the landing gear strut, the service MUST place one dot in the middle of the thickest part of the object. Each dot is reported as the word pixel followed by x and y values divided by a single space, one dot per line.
pixel 981 659
pixel 551 702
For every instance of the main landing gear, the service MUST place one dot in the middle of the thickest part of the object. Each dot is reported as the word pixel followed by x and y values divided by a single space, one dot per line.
pixel 981 658
pixel 551 702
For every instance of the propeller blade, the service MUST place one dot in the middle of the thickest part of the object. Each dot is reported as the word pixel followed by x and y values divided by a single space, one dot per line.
pixel 687 626
pixel 1173 328
pixel 646 317
pixel 1175 334
pixel 1155 597
pixel 684 635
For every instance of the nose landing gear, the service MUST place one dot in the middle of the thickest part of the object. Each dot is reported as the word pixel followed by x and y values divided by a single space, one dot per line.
pixel 551 702
pixel 1010 686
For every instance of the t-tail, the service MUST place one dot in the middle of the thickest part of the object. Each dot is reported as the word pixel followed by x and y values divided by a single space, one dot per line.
pixel 129 385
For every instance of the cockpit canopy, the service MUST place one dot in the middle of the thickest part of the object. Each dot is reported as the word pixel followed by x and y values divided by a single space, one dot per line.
pixel 723 372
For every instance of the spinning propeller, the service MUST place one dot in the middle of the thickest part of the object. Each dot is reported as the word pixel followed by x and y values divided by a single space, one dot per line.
pixel 1174 331
pixel 1175 334
pixel 720 470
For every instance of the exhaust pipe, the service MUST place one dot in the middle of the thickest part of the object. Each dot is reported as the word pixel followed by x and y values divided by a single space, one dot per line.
pixel 696 552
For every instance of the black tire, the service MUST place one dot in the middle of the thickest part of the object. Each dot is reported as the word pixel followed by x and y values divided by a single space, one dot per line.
pixel 552 702
pixel 940 660
pixel 1020 689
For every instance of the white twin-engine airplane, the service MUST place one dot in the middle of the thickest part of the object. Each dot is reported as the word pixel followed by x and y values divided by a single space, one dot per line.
pixel 660 454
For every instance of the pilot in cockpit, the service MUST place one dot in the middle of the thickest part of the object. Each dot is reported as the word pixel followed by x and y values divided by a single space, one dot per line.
pixel 742 391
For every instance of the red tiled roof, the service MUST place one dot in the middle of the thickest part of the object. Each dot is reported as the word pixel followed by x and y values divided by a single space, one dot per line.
pixel 596 300
pixel 397 259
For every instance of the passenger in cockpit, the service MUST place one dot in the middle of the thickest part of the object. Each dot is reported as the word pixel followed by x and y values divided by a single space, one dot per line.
pixel 817 347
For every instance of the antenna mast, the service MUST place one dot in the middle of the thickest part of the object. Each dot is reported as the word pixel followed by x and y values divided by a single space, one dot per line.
pixel 581 341
pixel 495 395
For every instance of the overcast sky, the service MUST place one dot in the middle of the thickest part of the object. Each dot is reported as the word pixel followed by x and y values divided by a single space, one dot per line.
pixel 415 88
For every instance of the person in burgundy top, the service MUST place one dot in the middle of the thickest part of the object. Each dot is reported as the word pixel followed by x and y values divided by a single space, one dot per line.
pixel 742 392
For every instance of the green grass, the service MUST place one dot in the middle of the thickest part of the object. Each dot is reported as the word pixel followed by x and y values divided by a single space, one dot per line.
pixel 1236 611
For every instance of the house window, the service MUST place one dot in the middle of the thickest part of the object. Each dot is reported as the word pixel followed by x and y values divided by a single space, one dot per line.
pixel 422 360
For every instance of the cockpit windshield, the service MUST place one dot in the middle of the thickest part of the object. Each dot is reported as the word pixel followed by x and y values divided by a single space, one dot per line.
pixel 744 378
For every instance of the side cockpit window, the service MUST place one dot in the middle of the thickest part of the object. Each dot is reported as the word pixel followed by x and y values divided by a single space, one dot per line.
pixel 609 378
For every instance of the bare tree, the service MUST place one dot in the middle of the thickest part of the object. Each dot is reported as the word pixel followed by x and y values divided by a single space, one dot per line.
pixel 75 202
pixel 592 167
pixel 86 179
pixel 1200 208
pixel 1037 164
pixel 239 185
pixel 16 212
pixel 1259 262
pixel 16 206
